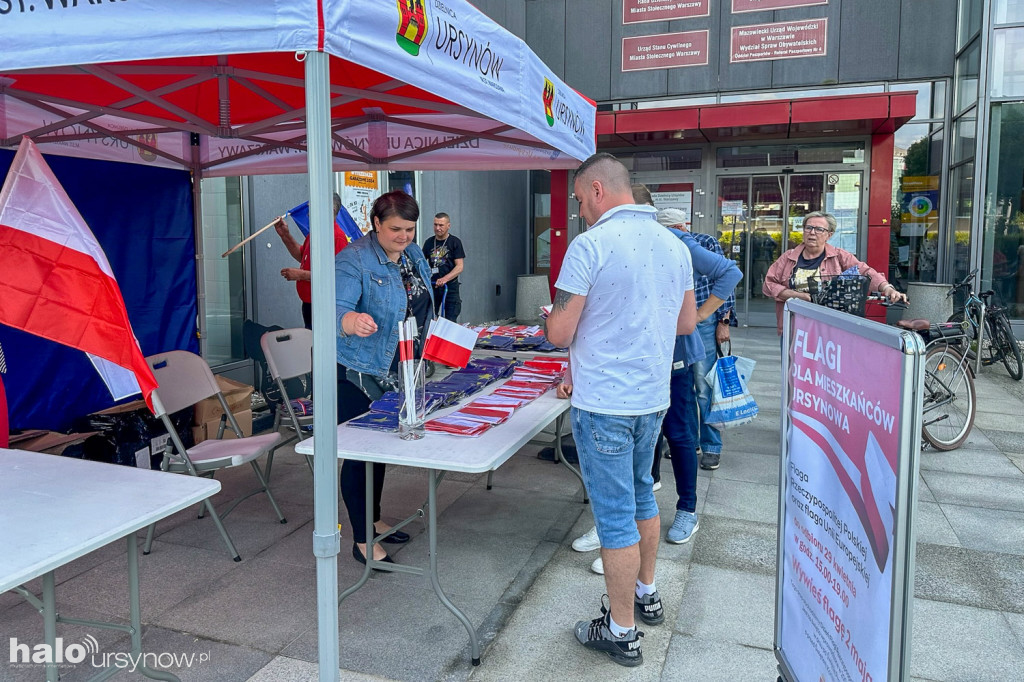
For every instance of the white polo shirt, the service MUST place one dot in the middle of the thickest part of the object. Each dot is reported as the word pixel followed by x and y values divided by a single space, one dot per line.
pixel 634 274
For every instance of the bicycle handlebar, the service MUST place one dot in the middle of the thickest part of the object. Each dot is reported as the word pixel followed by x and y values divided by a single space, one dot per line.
pixel 966 281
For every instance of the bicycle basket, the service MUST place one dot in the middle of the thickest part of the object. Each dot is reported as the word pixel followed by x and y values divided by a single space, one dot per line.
pixel 847 293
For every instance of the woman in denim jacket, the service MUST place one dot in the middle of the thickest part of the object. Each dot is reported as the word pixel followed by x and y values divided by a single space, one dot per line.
pixel 380 281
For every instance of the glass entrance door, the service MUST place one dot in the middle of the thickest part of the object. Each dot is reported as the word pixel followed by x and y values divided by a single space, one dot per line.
pixel 759 217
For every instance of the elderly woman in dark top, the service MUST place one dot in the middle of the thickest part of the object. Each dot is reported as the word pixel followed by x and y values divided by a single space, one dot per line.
pixel 789 276
pixel 381 280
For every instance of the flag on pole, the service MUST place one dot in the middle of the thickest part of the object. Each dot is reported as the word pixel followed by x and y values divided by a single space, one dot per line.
pixel 343 221
pixel 64 289
pixel 449 343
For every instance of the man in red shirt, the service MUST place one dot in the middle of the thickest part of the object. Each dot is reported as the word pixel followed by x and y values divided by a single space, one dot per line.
pixel 301 275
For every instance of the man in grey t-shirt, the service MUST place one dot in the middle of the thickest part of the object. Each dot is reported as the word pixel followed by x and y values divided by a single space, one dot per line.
pixel 624 292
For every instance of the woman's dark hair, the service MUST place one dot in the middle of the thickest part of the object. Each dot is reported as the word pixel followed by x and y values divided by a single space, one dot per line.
pixel 396 203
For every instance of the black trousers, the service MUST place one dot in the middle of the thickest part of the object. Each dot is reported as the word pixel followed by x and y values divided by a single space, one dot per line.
pixel 352 402
pixel 307 315
pixel 452 302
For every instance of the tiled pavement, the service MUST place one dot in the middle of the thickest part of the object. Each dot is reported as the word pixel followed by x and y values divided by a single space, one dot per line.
pixel 505 559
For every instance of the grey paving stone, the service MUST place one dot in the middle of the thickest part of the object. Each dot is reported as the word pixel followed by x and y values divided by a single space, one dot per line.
pixel 104 588
pixel 199 659
pixel 263 605
pixel 741 500
pixel 924 493
pixel 563 594
pixel 736 544
pixel 976 491
pixel 25 624
pixel 987 529
pixel 709 660
pixel 395 631
pixel 953 642
pixel 1016 622
pixel 975 462
pixel 978 439
pixel 728 606
pixel 987 580
pixel 750 467
pixel 509 512
pixel 932 526
pixel 1017 459
pixel 1002 423
pixel 284 669
pixel 1007 441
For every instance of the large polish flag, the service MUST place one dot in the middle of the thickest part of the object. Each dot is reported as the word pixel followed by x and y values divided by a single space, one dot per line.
pixel 56 280
pixel 449 343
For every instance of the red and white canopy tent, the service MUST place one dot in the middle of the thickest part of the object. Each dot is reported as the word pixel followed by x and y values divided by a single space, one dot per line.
pixel 233 87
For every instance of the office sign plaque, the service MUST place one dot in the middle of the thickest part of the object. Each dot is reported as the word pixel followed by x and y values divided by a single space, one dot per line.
pixel 665 51
pixel 782 40
pixel 740 6
pixel 639 11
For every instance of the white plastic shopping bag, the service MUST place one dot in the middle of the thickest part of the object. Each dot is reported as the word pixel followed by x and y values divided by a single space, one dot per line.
pixel 731 402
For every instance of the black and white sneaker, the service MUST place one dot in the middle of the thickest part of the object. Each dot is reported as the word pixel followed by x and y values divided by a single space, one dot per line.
pixel 596 634
pixel 649 608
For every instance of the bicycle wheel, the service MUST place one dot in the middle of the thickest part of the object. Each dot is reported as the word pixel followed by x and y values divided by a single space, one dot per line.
pixel 1004 340
pixel 949 398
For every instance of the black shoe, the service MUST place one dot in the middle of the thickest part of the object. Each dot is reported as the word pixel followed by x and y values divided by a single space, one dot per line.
pixel 709 460
pixel 596 634
pixel 650 609
pixel 396 537
pixel 358 556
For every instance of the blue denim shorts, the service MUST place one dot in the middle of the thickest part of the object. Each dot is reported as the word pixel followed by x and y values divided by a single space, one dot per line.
pixel 616 453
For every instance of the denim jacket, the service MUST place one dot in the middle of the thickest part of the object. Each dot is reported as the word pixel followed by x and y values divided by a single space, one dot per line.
pixel 367 281
pixel 723 275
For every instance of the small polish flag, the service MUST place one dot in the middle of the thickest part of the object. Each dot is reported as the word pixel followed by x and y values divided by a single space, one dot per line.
pixel 449 343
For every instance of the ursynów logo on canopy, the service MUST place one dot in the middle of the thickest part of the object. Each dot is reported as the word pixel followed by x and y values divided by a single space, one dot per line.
pixel 412 25
pixel 549 99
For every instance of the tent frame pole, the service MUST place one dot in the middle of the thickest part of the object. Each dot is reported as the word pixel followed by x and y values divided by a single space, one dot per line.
pixel 326 538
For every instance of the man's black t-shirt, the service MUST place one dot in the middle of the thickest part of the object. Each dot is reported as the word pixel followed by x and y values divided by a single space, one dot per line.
pixel 441 255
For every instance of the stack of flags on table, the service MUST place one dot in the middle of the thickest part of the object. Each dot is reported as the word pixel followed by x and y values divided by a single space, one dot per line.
pixel 513 337
pixel 529 381
pixel 383 414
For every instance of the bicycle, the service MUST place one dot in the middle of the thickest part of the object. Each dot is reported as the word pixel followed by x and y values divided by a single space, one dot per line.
pixel 987 322
pixel 950 401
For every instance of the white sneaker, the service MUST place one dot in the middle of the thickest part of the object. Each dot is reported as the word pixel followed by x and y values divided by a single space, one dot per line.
pixel 657 486
pixel 597 566
pixel 587 542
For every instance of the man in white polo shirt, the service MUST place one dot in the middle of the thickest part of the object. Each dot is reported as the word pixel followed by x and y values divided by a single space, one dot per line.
pixel 624 292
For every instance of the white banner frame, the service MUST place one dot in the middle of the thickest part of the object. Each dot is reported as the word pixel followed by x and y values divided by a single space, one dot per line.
pixel 902 542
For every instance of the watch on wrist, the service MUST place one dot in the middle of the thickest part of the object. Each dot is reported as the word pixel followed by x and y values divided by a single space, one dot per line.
pixel 724 322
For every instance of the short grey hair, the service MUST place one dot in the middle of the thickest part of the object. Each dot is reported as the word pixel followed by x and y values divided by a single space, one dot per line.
pixel 829 218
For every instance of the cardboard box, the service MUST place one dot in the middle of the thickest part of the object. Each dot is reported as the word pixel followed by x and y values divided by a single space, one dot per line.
pixel 49 442
pixel 237 395
pixel 209 429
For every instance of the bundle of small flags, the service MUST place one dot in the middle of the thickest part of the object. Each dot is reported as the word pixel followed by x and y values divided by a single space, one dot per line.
pixel 529 381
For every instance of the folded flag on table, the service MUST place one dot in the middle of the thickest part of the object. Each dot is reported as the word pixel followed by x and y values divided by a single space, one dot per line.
pixel 375 421
pixel 449 343
pixel 456 426
pixel 344 221
pixel 483 414
pixel 64 289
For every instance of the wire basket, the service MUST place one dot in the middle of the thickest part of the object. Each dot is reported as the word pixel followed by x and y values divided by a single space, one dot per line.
pixel 847 293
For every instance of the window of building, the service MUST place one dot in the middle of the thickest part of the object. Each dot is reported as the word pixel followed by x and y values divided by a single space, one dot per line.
pixel 1007 78
pixel 967 69
pixel 1008 11
pixel 223 278
pixel 540 235
pixel 791 155
pixel 1003 230
pixel 965 131
pixel 968 21
pixel 961 187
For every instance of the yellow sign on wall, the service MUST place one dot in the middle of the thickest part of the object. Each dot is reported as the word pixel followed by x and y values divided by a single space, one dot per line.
pixel 362 179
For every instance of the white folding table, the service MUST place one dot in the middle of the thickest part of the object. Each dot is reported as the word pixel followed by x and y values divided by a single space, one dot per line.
pixel 57 509
pixel 440 453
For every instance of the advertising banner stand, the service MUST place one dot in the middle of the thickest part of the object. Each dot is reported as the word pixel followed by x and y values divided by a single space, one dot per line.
pixel 851 441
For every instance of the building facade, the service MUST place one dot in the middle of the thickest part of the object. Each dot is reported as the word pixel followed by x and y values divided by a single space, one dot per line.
pixel 900 117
